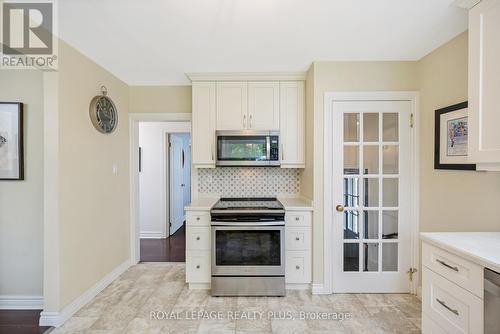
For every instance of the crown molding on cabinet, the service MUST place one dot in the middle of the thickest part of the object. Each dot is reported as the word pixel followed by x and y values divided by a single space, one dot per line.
pixel 247 76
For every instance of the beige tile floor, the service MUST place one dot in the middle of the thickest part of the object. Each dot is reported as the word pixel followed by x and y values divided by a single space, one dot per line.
pixel 125 306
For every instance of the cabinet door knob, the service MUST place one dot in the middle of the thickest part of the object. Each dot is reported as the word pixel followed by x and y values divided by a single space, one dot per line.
pixel 297 238
pixel 197 238
pixel 198 267
pixel 198 218
pixel 297 267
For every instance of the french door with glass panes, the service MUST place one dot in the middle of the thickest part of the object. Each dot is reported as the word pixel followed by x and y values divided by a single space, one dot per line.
pixel 371 196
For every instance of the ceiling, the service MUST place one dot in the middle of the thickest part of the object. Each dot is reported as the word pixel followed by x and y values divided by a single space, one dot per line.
pixel 154 42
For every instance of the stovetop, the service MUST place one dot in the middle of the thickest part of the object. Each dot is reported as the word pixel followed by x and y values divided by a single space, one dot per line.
pixel 255 203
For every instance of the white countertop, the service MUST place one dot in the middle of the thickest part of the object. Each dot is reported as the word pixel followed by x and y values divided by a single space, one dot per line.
pixel 291 204
pixel 201 204
pixel 482 248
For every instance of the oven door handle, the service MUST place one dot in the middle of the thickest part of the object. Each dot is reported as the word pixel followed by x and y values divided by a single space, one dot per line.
pixel 247 224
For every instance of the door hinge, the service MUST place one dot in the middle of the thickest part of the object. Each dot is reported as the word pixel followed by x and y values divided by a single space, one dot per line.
pixel 169 224
pixel 411 272
pixel 169 144
pixel 412 120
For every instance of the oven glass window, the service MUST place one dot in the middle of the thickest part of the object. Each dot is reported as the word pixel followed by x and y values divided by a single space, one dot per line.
pixel 242 148
pixel 247 248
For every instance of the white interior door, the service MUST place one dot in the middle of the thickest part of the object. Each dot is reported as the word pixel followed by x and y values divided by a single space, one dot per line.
pixel 176 184
pixel 371 196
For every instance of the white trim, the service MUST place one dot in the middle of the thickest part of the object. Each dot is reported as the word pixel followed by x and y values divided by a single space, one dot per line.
pixel 56 319
pixel 152 235
pixel 319 289
pixel 134 119
pixel 11 302
pixel 419 292
pixel 297 286
pixel 247 76
pixel 329 98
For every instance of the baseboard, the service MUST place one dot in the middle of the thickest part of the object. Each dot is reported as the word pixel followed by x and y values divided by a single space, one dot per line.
pixel 12 302
pixel 152 235
pixel 319 289
pixel 297 286
pixel 56 319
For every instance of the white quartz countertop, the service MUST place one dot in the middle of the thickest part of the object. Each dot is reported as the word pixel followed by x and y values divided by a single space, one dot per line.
pixel 201 204
pixel 482 248
pixel 296 204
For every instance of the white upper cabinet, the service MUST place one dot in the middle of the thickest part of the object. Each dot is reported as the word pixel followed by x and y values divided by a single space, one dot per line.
pixel 232 105
pixel 484 84
pixel 203 124
pixel 263 105
pixel 292 124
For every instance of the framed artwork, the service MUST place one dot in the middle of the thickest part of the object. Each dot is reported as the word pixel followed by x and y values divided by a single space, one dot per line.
pixel 11 141
pixel 451 138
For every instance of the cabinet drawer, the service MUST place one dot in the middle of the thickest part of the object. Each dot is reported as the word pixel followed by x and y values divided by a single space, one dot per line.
pixel 198 267
pixel 297 238
pixel 430 327
pixel 198 238
pixel 464 273
pixel 198 218
pixel 298 267
pixel 298 219
pixel 454 309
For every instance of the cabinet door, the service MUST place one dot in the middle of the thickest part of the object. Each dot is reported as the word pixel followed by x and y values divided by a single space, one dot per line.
pixel 232 104
pixel 263 105
pixel 484 82
pixel 203 124
pixel 292 127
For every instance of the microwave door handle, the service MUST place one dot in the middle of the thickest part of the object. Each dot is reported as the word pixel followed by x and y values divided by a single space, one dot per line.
pixel 268 148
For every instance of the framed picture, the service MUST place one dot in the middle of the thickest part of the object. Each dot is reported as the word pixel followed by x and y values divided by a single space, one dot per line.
pixel 451 138
pixel 11 141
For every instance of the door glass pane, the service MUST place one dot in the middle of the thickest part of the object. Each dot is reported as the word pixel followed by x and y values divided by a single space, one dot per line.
pixel 370 224
pixel 389 224
pixel 351 257
pixel 370 159
pixel 370 257
pixel 351 224
pixel 371 192
pixel 390 256
pixel 390 192
pixel 351 160
pixel 351 127
pixel 248 248
pixel 391 127
pixel 370 127
pixel 390 159
pixel 351 192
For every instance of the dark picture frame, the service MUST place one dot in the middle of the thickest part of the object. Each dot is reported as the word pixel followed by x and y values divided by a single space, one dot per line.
pixel 438 137
pixel 19 114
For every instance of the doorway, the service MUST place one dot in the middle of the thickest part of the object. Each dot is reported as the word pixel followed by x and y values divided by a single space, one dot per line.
pixel 164 189
pixel 370 180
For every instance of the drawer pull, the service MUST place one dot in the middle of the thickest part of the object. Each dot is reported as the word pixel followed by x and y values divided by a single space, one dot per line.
pixel 197 238
pixel 198 218
pixel 297 267
pixel 297 238
pixel 198 266
pixel 447 265
pixel 297 218
pixel 455 312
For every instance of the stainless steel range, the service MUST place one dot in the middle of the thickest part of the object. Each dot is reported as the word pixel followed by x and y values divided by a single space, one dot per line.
pixel 248 253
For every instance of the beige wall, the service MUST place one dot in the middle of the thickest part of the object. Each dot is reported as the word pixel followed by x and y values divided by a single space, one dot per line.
pixel 451 200
pixel 21 202
pixel 160 99
pixel 344 76
pixel 306 177
pixel 93 202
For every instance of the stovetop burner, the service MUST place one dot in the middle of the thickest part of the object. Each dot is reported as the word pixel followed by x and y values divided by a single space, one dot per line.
pixel 256 203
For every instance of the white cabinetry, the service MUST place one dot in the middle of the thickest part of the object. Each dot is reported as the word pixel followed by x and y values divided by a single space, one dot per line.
pixel 198 254
pixel 263 105
pixel 484 84
pixel 452 295
pixel 232 105
pixel 292 124
pixel 203 124
pixel 298 252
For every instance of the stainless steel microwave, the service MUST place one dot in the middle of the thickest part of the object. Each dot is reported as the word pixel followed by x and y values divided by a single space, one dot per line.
pixel 248 148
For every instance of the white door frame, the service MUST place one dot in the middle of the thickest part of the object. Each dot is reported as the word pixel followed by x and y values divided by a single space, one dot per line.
pixel 134 119
pixel 329 99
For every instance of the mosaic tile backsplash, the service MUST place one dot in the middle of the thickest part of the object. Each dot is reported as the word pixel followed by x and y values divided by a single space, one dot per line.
pixel 248 181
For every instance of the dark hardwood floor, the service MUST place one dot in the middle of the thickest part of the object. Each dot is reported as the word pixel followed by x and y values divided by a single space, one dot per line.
pixel 171 249
pixel 20 322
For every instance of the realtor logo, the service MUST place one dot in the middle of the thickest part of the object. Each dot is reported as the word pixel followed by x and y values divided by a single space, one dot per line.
pixel 28 39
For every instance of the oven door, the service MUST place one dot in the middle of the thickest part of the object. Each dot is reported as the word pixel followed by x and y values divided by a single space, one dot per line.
pixel 248 250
